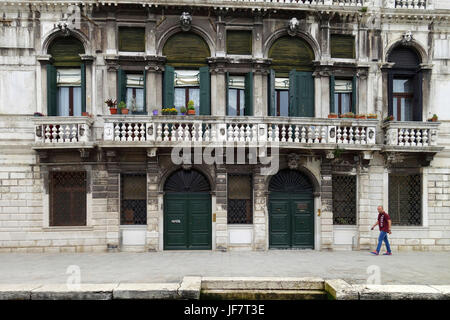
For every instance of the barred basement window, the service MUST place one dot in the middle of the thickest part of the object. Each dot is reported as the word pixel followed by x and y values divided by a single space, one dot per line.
pixel 240 199
pixel 67 199
pixel 344 200
pixel 405 199
pixel 133 196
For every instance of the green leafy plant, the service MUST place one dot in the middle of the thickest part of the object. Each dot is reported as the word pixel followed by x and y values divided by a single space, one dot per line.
pixel 183 110
pixel 190 105
pixel 122 105
pixel 389 118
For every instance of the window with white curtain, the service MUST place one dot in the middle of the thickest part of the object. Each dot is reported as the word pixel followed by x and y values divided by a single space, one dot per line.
pixel 236 97
pixel 187 87
pixel 343 90
pixel 68 98
pixel 282 96
pixel 135 92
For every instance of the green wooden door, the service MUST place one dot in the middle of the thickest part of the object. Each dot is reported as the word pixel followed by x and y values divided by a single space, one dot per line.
pixel 187 221
pixel 291 221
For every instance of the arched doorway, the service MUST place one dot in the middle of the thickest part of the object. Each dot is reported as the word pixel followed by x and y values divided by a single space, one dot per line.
pixel 291 211
pixel 187 211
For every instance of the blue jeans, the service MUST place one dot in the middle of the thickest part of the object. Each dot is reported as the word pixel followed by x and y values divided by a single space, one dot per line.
pixel 383 236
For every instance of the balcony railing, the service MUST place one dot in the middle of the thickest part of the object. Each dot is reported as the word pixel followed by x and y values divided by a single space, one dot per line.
pixel 292 131
pixel 62 131
pixel 411 134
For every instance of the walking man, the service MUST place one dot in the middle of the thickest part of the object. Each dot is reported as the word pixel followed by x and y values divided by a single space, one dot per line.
pixel 384 223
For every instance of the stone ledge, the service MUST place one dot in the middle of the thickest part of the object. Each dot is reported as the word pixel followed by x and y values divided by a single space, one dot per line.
pixel 190 288
pixel 17 291
pixel 398 292
pixel 264 283
pixel 63 292
pixel 146 291
pixel 340 290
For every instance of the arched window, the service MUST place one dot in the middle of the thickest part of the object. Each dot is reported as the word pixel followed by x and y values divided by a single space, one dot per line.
pixel 186 75
pixel 405 85
pixel 291 84
pixel 66 78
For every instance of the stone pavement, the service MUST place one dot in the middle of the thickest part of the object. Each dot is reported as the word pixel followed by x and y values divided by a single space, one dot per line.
pixel 355 267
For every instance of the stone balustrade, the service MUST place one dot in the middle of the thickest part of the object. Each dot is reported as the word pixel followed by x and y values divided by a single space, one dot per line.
pixel 292 131
pixel 411 134
pixel 62 130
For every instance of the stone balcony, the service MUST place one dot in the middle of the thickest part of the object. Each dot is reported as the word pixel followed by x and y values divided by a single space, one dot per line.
pixel 63 132
pixel 307 133
pixel 412 136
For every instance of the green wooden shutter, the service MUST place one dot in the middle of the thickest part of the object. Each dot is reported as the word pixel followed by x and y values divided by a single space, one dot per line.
pixel 248 94
pixel 390 85
pixel 342 46
pixel 239 42
pixel 354 94
pixel 145 91
pixel 168 88
pixel 83 87
pixel 121 86
pixel 271 91
pixel 227 79
pixel 332 106
pixel 52 90
pixel 305 85
pixel 131 39
pixel 205 91
pixel 293 93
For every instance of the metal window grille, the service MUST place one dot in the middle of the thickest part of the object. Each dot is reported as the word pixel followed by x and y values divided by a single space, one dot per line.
pixel 133 198
pixel 344 200
pixel 240 199
pixel 67 198
pixel 405 199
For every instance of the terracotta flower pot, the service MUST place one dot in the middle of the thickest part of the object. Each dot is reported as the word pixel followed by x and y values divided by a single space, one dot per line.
pixel 113 110
pixel 124 111
pixel 191 112
pixel 332 116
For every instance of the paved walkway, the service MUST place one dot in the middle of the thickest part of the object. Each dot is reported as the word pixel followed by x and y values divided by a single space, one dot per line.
pixel 432 268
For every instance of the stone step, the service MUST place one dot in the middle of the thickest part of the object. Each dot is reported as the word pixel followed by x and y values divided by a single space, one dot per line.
pixel 259 294
pixel 262 283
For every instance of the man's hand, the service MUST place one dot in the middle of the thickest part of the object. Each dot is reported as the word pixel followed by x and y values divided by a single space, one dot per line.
pixel 389 232
pixel 372 228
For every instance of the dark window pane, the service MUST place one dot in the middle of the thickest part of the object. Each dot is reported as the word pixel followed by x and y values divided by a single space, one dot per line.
pixel 68 199
pixel 240 199
pixel 344 200
pixel 405 199
pixel 133 197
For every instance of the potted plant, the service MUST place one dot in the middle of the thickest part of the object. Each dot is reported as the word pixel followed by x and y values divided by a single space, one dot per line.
pixel 348 115
pixel 332 116
pixel 434 118
pixel 191 107
pixel 388 118
pixel 112 106
pixel 155 112
pixel 183 110
pixel 123 107
pixel 360 116
pixel 38 114
pixel 173 111
pixel 372 116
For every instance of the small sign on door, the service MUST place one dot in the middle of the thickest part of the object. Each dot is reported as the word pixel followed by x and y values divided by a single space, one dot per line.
pixel 176 221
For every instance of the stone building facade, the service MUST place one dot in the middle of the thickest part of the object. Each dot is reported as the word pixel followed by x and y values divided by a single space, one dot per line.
pixel 265 78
